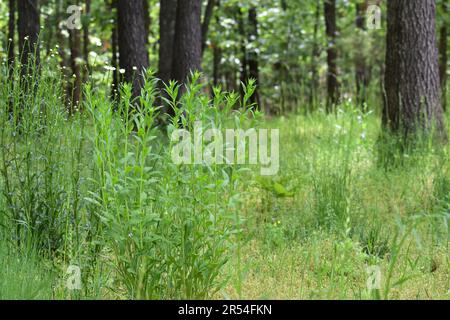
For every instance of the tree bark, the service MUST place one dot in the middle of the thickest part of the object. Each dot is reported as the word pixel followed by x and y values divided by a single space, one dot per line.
pixel 28 26
pixel 133 55
pixel 217 53
pixel 206 22
pixel 114 51
pixel 362 72
pixel 412 101
pixel 87 69
pixel 11 33
pixel 187 54
pixel 333 95
pixel 167 19
pixel 75 56
pixel 244 59
pixel 253 63
pixel 315 54
pixel 443 55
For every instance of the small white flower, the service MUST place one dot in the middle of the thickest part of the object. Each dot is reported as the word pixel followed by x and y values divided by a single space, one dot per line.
pixel 110 68
pixel 134 68
pixel 122 71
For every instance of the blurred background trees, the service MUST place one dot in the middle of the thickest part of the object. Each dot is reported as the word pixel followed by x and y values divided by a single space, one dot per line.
pixel 304 55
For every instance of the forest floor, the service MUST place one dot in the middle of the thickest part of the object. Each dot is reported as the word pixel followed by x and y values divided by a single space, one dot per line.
pixel 333 219
pixel 348 220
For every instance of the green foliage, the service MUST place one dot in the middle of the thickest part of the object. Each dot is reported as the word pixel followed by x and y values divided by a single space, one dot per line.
pixel 23 275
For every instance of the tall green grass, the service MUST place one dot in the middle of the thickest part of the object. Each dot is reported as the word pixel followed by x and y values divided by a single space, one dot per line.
pixel 98 189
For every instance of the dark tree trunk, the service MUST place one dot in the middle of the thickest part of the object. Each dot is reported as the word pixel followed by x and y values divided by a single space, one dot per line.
pixel 167 18
pixel 412 102
pixel 217 57
pixel 28 26
pixel 253 63
pixel 333 95
pixel 362 72
pixel 244 59
pixel 206 22
pixel 114 52
pixel 87 68
pixel 75 56
pixel 443 56
pixel 217 54
pixel 11 33
pixel 60 40
pixel 313 95
pixel 187 54
pixel 146 19
pixel 133 55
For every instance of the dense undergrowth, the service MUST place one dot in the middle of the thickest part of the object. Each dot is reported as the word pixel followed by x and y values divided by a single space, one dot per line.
pixel 98 190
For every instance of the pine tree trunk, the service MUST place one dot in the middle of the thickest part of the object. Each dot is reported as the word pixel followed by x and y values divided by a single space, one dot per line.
pixel 412 102
pixel 167 18
pixel 333 95
pixel 217 54
pixel 362 72
pixel 443 55
pixel 11 33
pixel 244 59
pixel 87 69
pixel 28 26
pixel 132 35
pixel 314 85
pixel 206 22
pixel 253 63
pixel 187 54
pixel 75 56
pixel 114 51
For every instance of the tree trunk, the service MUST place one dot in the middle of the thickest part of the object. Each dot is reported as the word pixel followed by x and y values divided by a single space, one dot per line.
pixel 314 86
pixel 75 56
pixel 443 55
pixel 167 18
pixel 87 68
pixel 146 19
pixel 28 26
pixel 333 96
pixel 187 54
pixel 362 72
pixel 133 55
pixel 412 102
pixel 244 59
pixel 114 51
pixel 217 54
pixel 11 33
pixel 217 57
pixel 253 63
pixel 206 21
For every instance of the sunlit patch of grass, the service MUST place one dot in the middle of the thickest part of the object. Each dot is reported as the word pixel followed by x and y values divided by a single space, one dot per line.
pixel 23 276
pixel 394 218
